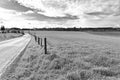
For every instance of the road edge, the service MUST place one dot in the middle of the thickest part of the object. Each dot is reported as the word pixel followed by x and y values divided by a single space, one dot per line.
pixel 14 62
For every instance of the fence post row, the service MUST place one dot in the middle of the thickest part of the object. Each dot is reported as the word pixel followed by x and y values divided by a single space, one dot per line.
pixel 39 40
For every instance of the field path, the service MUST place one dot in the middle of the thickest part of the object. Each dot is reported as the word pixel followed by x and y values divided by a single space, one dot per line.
pixel 10 49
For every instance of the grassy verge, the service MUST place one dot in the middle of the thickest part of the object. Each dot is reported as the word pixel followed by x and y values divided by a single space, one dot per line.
pixel 7 36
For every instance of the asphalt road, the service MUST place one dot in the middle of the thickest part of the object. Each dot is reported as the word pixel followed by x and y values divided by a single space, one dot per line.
pixel 10 49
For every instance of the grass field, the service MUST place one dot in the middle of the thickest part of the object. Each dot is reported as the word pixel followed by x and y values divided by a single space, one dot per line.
pixel 71 56
pixel 108 33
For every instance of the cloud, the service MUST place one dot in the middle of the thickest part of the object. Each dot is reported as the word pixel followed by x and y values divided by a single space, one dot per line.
pixel 69 13
pixel 28 12
pixel 10 15
pixel 11 18
pixel 60 8
pixel 24 13
pixel 13 5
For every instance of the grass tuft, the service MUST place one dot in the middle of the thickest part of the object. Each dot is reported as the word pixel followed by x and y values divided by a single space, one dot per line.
pixel 102 61
pixel 52 57
pixel 73 76
pixel 105 72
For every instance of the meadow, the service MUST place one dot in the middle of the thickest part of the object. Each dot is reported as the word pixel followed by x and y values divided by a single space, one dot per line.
pixel 71 56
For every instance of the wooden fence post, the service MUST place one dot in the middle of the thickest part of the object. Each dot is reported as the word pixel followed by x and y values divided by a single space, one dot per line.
pixel 38 41
pixel 35 37
pixel 22 32
pixel 45 45
pixel 41 42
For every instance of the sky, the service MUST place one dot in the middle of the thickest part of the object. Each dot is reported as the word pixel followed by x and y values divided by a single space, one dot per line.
pixel 59 13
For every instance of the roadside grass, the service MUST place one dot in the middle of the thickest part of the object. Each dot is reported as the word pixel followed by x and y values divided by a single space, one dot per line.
pixel 68 60
pixel 7 36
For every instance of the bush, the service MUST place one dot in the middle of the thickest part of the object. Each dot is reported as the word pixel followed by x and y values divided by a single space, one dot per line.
pixel 27 73
pixel 85 75
pixel 103 61
pixel 105 72
pixel 59 63
pixel 31 58
pixel 52 57
pixel 73 76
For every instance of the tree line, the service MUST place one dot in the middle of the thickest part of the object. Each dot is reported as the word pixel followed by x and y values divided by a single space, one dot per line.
pixel 11 30
pixel 18 30
pixel 74 29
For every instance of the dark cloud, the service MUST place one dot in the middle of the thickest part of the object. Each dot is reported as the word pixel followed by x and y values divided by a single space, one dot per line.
pixel 97 13
pixel 40 17
pixel 13 5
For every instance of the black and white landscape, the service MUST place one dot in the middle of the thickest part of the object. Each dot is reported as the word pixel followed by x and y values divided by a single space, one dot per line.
pixel 59 39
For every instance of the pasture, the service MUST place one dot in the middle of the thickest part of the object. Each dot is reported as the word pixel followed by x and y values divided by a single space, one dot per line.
pixel 71 56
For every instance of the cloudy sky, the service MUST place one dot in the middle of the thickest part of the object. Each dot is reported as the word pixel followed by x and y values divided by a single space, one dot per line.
pixel 60 13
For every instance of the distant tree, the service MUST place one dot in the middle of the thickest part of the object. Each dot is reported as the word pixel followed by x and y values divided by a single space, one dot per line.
pixel 3 29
